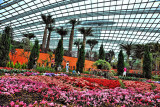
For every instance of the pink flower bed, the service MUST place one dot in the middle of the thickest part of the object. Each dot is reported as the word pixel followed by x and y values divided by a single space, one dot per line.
pixel 52 90
pixel 140 86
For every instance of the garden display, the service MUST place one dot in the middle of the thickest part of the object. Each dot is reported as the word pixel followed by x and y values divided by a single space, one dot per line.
pixel 47 90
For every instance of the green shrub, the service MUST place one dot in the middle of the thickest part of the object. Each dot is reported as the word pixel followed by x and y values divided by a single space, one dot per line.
pixel 12 65
pixel 153 86
pixel 86 72
pixel 8 64
pixel 156 78
pixel 147 63
pixel 44 69
pixel 59 53
pixel 34 55
pixel 81 60
pixel 120 65
pixel 15 65
pixel 122 85
pixel 129 78
pixel 19 66
pixel 114 73
pixel 102 64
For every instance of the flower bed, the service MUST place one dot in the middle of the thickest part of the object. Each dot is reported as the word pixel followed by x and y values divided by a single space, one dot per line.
pixel 75 91
pixel 104 82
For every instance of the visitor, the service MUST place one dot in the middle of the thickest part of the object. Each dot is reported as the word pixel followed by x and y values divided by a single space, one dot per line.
pixel 35 65
pixel 124 73
pixel 59 68
pixel 67 66
pixel 79 73
pixel 73 72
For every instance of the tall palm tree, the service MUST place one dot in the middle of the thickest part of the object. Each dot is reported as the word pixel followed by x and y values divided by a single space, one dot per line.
pixel 86 32
pixel 138 51
pixel 62 32
pixel 50 29
pixel 78 43
pixel 46 20
pixel 91 43
pixel 29 35
pixel 74 22
pixel 127 48
pixel 155 50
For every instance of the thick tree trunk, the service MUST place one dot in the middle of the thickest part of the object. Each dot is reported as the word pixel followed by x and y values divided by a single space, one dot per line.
pixel 78 51
pixel 44 38
pixel 84 41
pixel 62 39
pixel 48 41
pixel 142 64
pixel 90 56
pixel 71 40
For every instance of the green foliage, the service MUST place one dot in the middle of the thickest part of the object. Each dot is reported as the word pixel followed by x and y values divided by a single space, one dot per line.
pixel 5 44
pixel 153 86
pixel 101 52
pixel 19 66
pixel 44 69
pixel 102 64
pixel 122 85
pixel 156 77
pixel 86 72
pixel 147 63
pixel 12 65
pixel 129 78
pixel 59 53
pixel 15 65
pixel 81 60
pixel 23 66
pixel 8 64
pixel 120 65
pixel 34 55
pixel 114 73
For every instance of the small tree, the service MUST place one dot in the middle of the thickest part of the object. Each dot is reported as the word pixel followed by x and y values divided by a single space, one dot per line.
pixel 102 64
pixel 5 45
pixel 59 53
pixel 34 55
pixel 81 60
pixel 120 65
pixel 147 63
pixel 101 52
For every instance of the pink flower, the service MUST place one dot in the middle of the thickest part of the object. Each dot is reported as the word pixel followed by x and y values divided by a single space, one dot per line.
pixel 43 102
pixel 21 103
pixel 51 104
pixel 30 105
pixel 16 106
pixel 12 103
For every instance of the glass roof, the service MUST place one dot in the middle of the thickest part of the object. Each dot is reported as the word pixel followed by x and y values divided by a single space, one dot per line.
pixel 114 21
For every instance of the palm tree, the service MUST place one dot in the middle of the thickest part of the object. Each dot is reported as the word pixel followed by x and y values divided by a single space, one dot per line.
pixel 74 22
pixel 127 48
pixel 91 43
pixel 62 32
pixel 138 52
pixel 50 29
pixel 78 43
pixel 86 32
pixel 29 35
pixel 46 20
pixel 155 50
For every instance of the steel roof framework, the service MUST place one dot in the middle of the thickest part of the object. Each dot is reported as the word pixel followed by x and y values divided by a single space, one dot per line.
pixel 135 21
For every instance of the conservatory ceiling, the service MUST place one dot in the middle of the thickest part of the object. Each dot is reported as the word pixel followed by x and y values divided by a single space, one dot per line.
pixel 114 21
